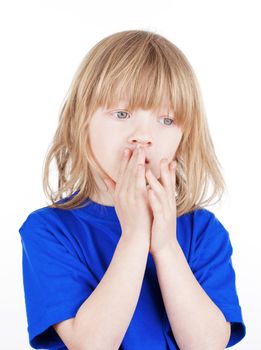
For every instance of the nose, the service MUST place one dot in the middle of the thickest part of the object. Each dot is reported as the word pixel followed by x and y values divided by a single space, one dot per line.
pixel 143 144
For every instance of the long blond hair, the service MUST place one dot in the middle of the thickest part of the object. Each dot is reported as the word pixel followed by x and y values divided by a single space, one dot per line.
pixel 146 66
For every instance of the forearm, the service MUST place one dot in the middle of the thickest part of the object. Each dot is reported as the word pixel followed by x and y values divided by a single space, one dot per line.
pixel 102 320
pixel 196 322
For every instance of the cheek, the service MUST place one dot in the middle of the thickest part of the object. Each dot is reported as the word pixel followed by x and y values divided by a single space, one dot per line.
pixel 109 159
pixel 172 149
pixel 107 153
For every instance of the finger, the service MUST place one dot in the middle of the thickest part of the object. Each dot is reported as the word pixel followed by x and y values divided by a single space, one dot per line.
pixel 156 186
pixel 125 180
pixel 127 161
pixel 154 202
pixel 132 169
pixel 165 178
pixel 140 173
pixel 123 165
pixel 173 167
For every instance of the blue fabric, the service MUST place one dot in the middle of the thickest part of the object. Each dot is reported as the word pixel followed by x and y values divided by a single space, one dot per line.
pixel 65 254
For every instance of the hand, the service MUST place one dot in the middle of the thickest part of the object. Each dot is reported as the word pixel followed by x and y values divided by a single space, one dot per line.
pixel 163 203
pixel 130 196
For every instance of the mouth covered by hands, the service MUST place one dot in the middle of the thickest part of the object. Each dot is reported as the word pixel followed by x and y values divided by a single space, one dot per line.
pixel 157 195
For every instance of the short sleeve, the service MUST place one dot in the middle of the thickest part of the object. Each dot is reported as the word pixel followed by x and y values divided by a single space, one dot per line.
pixel 213 269
pixel 56 281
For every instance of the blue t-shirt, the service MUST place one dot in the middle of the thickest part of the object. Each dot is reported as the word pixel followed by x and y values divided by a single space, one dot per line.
pixel 65 254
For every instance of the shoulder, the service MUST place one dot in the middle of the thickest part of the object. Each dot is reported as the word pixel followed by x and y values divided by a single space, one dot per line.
pixel 203 214
pixel 39 217
pixel 203 227
pixel 46 218
pixel 209 233
pixel 198 219
pixel 204 220
pixel 53 229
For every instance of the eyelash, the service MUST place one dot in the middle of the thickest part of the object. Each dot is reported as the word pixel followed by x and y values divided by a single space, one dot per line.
pixel 128 113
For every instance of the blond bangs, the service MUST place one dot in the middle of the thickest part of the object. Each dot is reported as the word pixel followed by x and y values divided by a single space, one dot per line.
pixel 146 80
pixel 145 69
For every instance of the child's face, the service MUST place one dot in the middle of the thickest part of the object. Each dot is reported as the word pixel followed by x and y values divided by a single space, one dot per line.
pixel 114 129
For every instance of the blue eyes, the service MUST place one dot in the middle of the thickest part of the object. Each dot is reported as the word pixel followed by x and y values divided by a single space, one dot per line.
pixel 121 116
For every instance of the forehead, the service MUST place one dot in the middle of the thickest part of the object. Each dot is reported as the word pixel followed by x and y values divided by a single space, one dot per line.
pixel 124 101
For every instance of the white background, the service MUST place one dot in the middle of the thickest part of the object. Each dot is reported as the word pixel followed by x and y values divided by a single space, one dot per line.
pixel 42 45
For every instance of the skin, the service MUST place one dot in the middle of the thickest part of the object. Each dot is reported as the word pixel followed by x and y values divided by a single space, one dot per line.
pixel 112 130
pixel 186 302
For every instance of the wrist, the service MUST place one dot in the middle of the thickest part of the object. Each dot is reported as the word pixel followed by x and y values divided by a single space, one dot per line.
pixel 171 246
pixel 137 241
